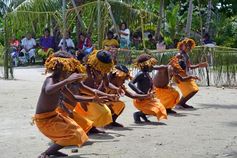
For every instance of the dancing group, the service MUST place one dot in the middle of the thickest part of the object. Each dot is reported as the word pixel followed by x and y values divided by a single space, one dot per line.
pixel 76 99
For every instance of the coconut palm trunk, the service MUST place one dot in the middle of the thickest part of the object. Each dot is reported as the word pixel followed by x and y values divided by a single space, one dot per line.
pixel 208 16
pixel 160 19
pixel 189 19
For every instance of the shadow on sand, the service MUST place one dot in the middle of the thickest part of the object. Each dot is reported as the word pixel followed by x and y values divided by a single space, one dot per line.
pixel 88 155
pixel 219 106
pixel 231 124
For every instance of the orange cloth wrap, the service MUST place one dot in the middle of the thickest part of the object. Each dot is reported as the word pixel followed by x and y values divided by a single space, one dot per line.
pixel 83 122
pixel 116 107
pixel 100 114
pixel 151 107
pixel 168 96
pixel 187 87
pixel 60 129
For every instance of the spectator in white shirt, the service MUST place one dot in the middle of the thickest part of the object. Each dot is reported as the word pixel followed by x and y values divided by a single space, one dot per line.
pixel 69 45
pixel 29 44
pixel 125 36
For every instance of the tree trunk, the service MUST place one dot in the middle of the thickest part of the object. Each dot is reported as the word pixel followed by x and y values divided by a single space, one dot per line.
pixel 79 22
pixel 6 55
pixel 160 19
pixel 99 24
pixel 189 19
pixel 208 16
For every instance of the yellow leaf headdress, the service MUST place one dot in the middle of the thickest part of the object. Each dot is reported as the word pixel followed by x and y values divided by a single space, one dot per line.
pixel 69 63
pixel 100 60
pixel 144 60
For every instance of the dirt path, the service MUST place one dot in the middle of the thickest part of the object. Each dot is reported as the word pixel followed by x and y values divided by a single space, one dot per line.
pixel 208 132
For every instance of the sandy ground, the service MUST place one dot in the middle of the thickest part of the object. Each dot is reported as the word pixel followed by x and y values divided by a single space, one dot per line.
pixel 210 131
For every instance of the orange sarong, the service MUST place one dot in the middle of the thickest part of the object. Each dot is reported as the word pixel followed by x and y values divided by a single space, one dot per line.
pixel 83 122
pixel 116 107
pixel 100 114
pixel 60 129
pixel 187 87
pixel 151 106
pixel 168 96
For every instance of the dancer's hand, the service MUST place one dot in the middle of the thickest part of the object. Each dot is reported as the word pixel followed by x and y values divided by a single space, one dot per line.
pixel 84 106
pixel 196 78
pixel 120 91
pixel 74 77
pixel 204 64
pixel 70 114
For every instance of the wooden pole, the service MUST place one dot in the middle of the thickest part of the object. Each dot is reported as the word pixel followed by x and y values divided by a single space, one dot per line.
pixel 112 17
pixel 99 23
pixel 6 55
pixel 64 24
pixel 189 19
pixel 82 24
pixel 143 36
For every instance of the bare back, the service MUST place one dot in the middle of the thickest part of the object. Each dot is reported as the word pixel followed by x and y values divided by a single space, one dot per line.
pixel 47 102
pixel 161 78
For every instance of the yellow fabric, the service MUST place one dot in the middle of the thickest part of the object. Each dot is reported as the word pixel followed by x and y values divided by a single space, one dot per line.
pixel 43 54
pixel 96 64
pixel 151 62
pixel 151 106
pixel 69 64
pixel 110 43
pixel 168 96
pixel 83 122
pixel 60 129
pixel 116 107
pixel 187 87
pixel 100 114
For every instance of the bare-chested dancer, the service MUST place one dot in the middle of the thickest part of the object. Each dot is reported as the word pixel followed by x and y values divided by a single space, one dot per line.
pixel 63 131
pixel 142 84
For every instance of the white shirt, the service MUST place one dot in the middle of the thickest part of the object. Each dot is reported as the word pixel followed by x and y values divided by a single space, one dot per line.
pixel 28 43
pixel 127 31
pixel 69 43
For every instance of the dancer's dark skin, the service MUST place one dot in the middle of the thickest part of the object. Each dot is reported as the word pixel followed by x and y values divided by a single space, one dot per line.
pixel 50 97
pixel 144 86
pixel 91 86
pixel 119 82
pixel 184 54
pixel 163 77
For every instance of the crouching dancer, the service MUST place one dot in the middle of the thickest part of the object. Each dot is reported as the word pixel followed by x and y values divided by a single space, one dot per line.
pixel 62 130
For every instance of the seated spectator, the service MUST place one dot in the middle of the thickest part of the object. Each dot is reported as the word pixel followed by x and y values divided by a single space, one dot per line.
pixel 151 44
pixel 29 44
pixel 136 40
pixel 110 43
pixel 15 49
pixel 160 46
pixel 88 47
pixel 80 45
pixel 69 45
pixel 46 44
pixel 207 39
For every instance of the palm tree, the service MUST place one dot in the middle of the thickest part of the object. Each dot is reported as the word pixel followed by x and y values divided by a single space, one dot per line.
pixel 161 10
pixel 189 19
pixel 208 15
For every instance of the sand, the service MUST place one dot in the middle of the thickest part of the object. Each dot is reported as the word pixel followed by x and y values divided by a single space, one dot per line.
pixel 210 131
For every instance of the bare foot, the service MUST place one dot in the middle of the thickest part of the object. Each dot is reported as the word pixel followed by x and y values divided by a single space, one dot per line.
pixel 43 155
pixel 95 131
pixel 60 154
pixel 138 121
pixel 116 124
pixel 186 106
pixel 170 111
